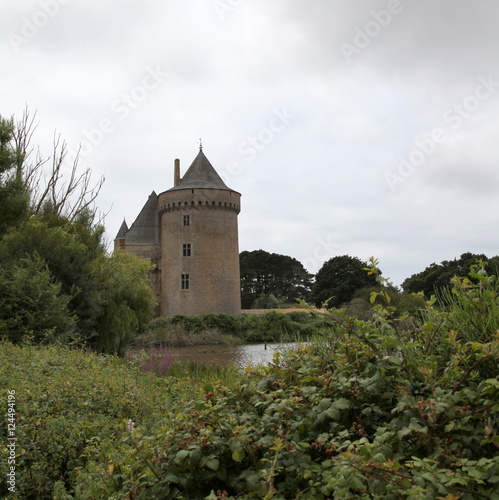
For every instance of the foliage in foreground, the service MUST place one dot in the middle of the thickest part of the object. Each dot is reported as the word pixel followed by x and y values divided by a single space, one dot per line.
pixel 371 411
pixel 71 403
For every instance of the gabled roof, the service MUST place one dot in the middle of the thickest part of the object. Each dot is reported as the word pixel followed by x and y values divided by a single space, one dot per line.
pixel 201 174
pixel 122 231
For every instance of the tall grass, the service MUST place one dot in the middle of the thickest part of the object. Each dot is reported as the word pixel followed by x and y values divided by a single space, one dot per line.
pixel 200 372
pixel 177 335
pixel 159 361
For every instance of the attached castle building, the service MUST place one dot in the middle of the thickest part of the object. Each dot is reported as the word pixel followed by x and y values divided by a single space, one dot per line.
pixel 190 233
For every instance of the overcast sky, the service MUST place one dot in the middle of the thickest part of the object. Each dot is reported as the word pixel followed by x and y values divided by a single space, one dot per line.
pixel 349 127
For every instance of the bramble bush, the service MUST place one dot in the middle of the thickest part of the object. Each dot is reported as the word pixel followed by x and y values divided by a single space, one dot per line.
pixel 67 403
pixel 368 411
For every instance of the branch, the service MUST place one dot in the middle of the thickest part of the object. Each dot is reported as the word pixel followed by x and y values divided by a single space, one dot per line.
pixel 432 337
pixel 468 371
pixel 66 197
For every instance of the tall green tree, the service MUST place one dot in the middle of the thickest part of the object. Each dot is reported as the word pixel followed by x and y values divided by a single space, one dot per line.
pixel 264 273
pixel 32 304
pixel 109 296
pixel 338 280
pixel 437 277
pixel 123 296
pixel 56 281
pixel 14 199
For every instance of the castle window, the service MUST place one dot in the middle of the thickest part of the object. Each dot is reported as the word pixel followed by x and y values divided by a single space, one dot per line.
pixel 187 220
pixel 185 281
pixel 186 250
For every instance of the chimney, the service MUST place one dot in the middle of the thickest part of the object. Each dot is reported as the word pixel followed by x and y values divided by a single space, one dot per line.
pixel 176 172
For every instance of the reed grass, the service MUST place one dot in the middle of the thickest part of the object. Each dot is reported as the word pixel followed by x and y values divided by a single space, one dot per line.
pixel 200 372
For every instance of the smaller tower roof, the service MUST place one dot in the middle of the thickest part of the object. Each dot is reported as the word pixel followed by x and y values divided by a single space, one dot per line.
pixel 144 229
pixel 123 229
pixel 201 174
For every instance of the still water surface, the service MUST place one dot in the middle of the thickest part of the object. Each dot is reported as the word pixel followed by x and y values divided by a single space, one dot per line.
pixel 241 355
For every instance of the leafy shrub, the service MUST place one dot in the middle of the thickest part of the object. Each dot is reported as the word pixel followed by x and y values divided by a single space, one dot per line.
pixel 223 323
pixel 265 301
pixel 359 308
pixel 68 404
pixel 272 326
pixel 189 323
pixel 371 411
pixel 32 305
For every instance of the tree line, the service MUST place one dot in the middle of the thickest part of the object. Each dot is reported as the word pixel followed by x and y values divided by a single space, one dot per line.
pixel 269 280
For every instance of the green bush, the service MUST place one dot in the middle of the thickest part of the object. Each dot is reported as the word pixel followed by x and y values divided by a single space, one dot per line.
pixel 32 305
pixel 68 404
pixel 265 301
pixel 272 326
pixel 224 323
pixel 370 411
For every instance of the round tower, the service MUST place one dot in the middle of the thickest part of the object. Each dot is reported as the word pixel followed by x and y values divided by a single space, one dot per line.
pixel 199 243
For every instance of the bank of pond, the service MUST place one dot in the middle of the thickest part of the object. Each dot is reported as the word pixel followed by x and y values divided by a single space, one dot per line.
pixel 272 326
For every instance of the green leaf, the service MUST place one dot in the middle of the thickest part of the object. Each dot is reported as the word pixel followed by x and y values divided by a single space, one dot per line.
pixel 181 456
pixel 379 457
pixel 238 454
pixel 212 463
pixel 450 426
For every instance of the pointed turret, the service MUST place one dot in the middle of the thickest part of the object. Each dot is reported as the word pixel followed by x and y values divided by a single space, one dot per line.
pixel 122 231
pixel 119 241
pixel 144 230
pixel 201 174
pixel 199 243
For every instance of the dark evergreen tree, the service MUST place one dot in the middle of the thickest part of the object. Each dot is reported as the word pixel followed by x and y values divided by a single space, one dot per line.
pixel 264 273
pixel 338 280
pixel 436 277
pixel 14 199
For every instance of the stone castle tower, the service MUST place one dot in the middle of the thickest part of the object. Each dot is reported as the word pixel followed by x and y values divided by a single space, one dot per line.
pixel 190 233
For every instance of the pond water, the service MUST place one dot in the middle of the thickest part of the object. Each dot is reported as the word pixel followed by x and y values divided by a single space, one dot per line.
pixel 241 355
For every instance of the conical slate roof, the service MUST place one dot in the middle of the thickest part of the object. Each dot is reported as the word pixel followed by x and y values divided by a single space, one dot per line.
pixel 144 230
pixel 201 174
pixel 122 231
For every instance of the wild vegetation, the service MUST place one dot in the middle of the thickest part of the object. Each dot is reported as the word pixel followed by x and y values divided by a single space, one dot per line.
pixel 57 283
pixel 273 326
pixel 368 410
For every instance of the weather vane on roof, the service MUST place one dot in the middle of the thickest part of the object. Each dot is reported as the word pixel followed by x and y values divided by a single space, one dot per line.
pixel 200 145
